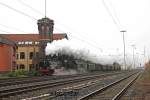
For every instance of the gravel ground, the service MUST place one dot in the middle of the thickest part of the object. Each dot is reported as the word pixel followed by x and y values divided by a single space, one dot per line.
pixel 140 90
pixel 108 94
pixel 40 92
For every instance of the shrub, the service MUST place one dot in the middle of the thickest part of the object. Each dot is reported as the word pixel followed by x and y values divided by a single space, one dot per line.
pixel 18 73
pixel 12 74
pixel 34 73
pixel 22 73
pixel 147 66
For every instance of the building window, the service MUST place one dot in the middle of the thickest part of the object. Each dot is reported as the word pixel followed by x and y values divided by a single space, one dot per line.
pixel 26 42
pixel 31 67
pixel 20 42
pixel 31 55
pixel 22 66
pixel 36 65
pixel 30 42
pixel 37 54
pixel 17 56
pixel 22 55
pixel 17 67
pixel 14 64
pixel 36 42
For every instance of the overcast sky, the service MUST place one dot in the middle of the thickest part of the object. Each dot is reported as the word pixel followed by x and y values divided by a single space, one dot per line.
pixel 96 21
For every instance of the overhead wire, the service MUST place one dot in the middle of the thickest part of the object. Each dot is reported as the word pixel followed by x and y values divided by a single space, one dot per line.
pixel 110 14
pixel 114 11
pixel 23 3
pixel 81 34
pixel 33 9
pixel 18 11
pixel 87 42
pixel 25 15
pixel 5 31
pixel 3 4
pixel 33 18
pixel 13 28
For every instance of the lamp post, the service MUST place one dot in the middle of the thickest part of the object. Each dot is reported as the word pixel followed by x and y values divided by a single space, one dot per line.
pixel 144 54
pixel 133 56
pixel 137 57
pixel 123 31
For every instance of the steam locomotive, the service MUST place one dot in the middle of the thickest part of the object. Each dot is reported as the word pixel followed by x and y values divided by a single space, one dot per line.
pixel 45 68
pixel 52 62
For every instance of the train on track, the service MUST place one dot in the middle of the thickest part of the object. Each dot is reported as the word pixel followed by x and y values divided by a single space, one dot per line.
pixel 52 62
pixel 45 68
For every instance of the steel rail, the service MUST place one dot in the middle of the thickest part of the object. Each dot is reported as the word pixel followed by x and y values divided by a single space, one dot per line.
pixel 121 93
pixel 18 90
pixel 86 97
pixel 15 81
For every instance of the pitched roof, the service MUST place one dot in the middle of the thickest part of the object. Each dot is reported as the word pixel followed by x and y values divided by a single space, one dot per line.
pixel 4 40
pixel 30 37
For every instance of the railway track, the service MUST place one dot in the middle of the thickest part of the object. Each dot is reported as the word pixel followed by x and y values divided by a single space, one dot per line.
pixel 15 81
pixel 81 89
pixel 5 92
pixel 112 91
pixel 23 80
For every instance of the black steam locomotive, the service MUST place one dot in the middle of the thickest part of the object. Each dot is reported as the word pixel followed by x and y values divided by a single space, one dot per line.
pixel 53 62
pixel 45 68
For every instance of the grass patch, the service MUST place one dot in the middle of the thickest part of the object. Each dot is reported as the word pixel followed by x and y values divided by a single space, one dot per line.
pixel 20 73
pixel 34 73
pixel 146 74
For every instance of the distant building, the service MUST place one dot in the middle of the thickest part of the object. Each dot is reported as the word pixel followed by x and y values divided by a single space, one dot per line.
pixel 7 55
pixel 27 53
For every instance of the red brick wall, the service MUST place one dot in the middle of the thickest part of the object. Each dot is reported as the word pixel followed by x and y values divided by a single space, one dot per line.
pixel 6 57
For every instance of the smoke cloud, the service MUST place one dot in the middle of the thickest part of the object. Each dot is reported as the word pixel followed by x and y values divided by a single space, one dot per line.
pixel 63 71
pixel 79 50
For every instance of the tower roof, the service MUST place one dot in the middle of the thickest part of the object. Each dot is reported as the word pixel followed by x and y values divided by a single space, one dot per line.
pixel 45 20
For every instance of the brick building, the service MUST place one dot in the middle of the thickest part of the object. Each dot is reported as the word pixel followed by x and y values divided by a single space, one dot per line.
pixel 7 55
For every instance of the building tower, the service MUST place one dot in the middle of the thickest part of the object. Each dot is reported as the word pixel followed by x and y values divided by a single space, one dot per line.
pixel 45 28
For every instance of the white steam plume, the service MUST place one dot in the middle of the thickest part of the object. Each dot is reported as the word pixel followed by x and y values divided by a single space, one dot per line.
pixel 63 71
pixel 79 50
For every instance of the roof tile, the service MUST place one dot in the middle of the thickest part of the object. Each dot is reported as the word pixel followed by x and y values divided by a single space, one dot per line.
pixel 30 37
